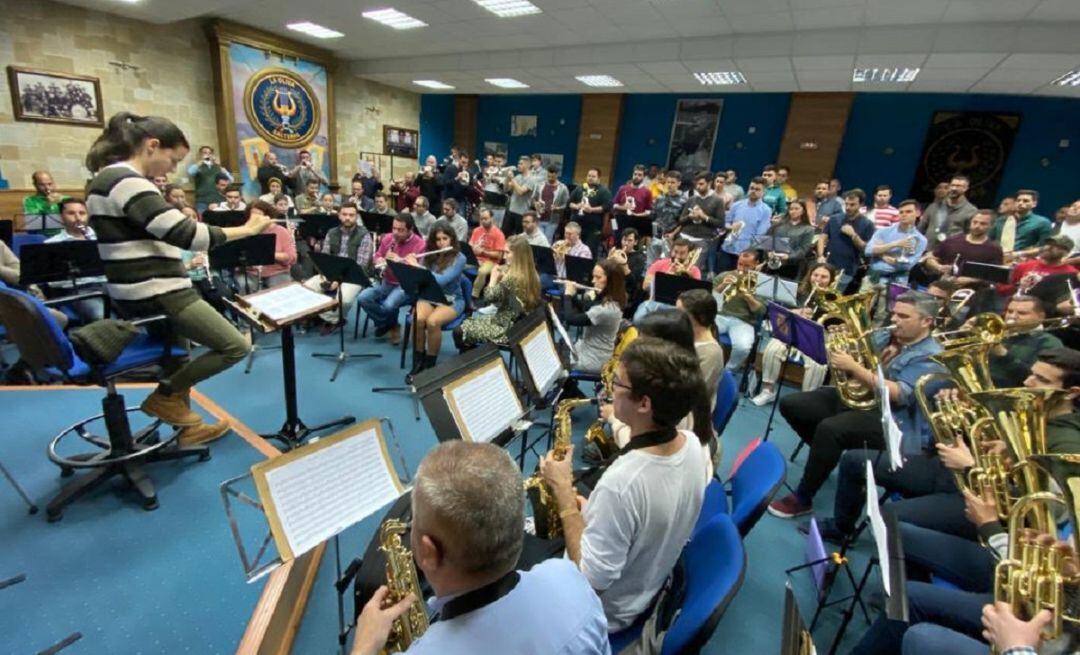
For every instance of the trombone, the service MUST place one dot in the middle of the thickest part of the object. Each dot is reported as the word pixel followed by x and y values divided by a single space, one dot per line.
pixel 991 328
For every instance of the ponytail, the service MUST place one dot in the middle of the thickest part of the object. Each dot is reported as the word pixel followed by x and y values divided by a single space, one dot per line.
pixel 124 135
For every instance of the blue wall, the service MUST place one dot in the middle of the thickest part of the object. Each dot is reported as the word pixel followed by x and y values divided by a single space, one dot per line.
pixel 436 125
pixel 557 121
pixel 899 121
pixel 648 118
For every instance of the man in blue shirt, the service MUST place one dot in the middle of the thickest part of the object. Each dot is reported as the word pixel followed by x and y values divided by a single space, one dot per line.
pixel 747 220
pixel 895 249
pixel 845 237
pixel 830 427
pixel 468 508
pixel 828 205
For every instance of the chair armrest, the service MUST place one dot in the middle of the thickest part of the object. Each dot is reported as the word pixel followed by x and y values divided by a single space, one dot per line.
pixel 74 298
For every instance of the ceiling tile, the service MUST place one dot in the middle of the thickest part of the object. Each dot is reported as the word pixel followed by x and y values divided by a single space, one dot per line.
pixel 884 40
pixel 983 11
pixel 1056 10
pixel 706 48
pixel 751 64
pixel 969 75
pixel 964 60
pixel 1051 62
pixel 908 12
pixel 844 62
pixel 779 21
pixel 890 61
pixel 813 19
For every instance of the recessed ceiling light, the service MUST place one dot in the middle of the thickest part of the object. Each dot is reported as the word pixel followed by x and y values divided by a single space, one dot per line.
pixel 724 78
pixel 598 80
pixel 884 75
pixel 317 31
pixel 1072 78
pixel 432 84
pixel 509 8
pixel 506 83
pixel 394 18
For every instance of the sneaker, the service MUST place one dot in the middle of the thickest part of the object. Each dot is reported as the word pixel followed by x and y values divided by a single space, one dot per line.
pixel 394 335
pixel 829 530
pixel 170 408
pixel 789 507
pixel 764 398
pixel 381 330
pixel 203 433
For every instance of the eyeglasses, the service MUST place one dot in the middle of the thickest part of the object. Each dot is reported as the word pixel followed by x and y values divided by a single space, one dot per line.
pixel 616 383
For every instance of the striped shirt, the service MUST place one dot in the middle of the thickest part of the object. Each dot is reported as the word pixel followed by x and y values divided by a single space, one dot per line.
pixel 141 239
pixel 883 216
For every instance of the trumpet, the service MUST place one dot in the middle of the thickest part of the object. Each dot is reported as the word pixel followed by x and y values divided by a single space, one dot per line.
pixel 745 282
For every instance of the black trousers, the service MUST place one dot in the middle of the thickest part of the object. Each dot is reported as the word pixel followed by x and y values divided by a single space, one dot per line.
pixel 829 427
pixel 592 225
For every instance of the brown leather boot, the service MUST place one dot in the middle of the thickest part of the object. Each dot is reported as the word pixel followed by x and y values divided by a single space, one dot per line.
pixel 202 433
pixel 170 408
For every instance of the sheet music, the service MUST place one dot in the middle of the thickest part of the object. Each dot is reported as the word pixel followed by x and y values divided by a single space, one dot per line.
pixel 893 436
pixel 541 359
pixel 877 527
pixel 319 495
pixel 286 301
pixel 486 404
pixel 562 331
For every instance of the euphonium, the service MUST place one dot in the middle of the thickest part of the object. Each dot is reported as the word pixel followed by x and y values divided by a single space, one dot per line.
pixel 847 329
pixel 401 580
pixel 1039 573
pixel 596 433
pixel 545 509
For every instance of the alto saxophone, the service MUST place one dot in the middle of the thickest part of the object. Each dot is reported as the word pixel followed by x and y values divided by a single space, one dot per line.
pixel 545 509
pixel 401 579
pixel 596 434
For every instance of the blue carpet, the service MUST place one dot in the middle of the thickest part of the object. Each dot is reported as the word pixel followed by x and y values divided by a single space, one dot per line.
pixel 170 581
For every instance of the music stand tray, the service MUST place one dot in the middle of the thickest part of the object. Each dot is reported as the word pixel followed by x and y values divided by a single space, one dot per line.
pixel 776 289
pixel 545 260
pixel 341 270
pixel 315 226
pixel 986 272
pixel 667 287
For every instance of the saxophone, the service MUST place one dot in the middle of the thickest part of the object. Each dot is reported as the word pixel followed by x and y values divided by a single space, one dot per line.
pixel 545 510
pixel 596 433
pixel 402 580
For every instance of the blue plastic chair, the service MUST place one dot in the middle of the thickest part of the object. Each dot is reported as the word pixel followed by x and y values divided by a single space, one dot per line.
pixel 754 484
pixel 715 502
pixel 48 351
pixel 727 397
pixel 20 239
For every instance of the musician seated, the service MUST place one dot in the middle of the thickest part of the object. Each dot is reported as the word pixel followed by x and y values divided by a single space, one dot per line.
pixel 638 518
pixel 741 312
pixel 234 201
pixel 1050 261
pixel 820 276
pixel 358 196
pixel 679 263
pixel 276 189
pixel 423 218
pixel 598 313
pixel 530 227
pixel 447 267
pixel 457 221
pixel 893 250
pixel 488 244
pixel 10 270
pixel 276 274
pixel 467 513
pixel 382 302
pixel 700 306
pixel 633 262
pixel 308 201
pixel 1011 359
pixel 513 289
pixel 76 228
pixel 829 426
pixel 571 245
pixel 349 239
pixel 327 204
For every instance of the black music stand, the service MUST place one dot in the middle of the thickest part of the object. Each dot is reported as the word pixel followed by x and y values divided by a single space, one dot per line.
pixel 986 272
pixel 377 223
pixel 63 261
pixel 785 329
pixel 341 270
pixel 579 269
pixel 470 257
pixel 545 260
pixel 224 218
pixel 643 225
pixel 239 254
pixel 495 199
pixel 7 232
pixel 315 226
pixel 667 287
pixel 418 284
pixel 46 222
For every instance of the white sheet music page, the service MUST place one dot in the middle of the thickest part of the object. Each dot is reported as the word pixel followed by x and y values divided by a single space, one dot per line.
pixel 893 436
pixel 332 489
pixel 286 301
pixel 487 404
pixel 541 359
pixel 562 332
pixel 877 526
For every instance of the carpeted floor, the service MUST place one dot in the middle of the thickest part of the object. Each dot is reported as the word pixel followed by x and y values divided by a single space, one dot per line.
pixel 170 581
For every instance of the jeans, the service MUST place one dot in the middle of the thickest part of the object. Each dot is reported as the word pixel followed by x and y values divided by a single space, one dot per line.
pixel 932 610
pixel 829 427
pixel 962 562
pixel 941 512
pixel 202 323
pixel 741 334
pixel 921 474
pixel 548 228
pixel 349 292
pixel 930 638
pixel 772 360
pixel 382 303
pixel 647 307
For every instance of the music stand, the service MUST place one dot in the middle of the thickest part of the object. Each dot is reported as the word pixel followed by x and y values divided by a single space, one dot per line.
pixel 418 283
pixel 7 232
pixel 532 343
pixel 470 257
pixel 667 287
pixel 41 222
pixel 376 222
pixel 986 272
pixel 579 269
pixel 341 270
pixel 777 289
pixel 255 250
pixel 302 303
pixel 545 260
pixel 315 226
pixel 495 199
pixel 798 333
pixel 224 218
pixel 643 225
pixel 63 261
pixel 795 639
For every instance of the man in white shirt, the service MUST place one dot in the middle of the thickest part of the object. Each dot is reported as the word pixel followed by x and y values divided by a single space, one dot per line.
pixel 468 507
pixel 423 218
pixel 234 202
pixel 76 228
pixel 627 537
pixel 456 220
pixel 530 227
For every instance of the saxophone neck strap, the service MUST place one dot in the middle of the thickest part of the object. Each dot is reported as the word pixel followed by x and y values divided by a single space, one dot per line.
pixel 650 439
pixel 482 597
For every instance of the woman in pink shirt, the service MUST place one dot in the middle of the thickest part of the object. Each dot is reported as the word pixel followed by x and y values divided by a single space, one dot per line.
pixel 272 275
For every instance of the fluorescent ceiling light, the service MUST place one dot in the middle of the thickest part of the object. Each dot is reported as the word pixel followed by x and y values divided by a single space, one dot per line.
pixel 884 75
pixel 509 8
pixel 723 78
pixel 506 83
pixel 394 18
pixel 317 31
pixel 598 80
pixel 1072 78
pixel 432 84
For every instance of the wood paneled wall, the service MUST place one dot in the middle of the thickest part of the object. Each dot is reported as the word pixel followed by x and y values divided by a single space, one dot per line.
pixel 465 125
pixel 11 202
pixel 598 135
pixel 817 118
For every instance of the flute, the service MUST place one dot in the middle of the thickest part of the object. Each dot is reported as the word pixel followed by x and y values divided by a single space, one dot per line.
pixel 433 252
pixel 580 286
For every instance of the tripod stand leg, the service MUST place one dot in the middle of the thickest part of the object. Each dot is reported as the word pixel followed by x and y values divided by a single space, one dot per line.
pixel 18 488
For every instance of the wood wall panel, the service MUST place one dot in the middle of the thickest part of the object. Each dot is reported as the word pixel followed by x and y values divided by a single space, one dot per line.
pixel 11 201
pixel 814 118
pixel 465 125
pixel 598 135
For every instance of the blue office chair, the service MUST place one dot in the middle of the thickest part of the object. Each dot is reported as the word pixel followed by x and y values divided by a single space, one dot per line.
pixel 466 291
pixel 715 502
pixel 727 397
pixel 754 484
pixel 48 351
pixel 20 239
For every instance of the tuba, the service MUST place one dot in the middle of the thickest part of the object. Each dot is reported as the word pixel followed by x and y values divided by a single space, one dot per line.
pixel 596 434
pixel 401 579
pixel 847 329
pixel 545 510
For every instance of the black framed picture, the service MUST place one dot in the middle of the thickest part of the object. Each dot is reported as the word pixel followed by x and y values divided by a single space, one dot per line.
pixel 49 97
pixel 400 141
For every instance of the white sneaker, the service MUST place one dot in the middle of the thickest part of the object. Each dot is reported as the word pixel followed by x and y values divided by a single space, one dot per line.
pixel 764 398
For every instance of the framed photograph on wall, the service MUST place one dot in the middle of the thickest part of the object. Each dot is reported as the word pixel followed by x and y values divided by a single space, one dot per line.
pixel 400 141
pixel 494 148
pixel 693 135
pixel 523 125
pixel 551 159
pixel 48 97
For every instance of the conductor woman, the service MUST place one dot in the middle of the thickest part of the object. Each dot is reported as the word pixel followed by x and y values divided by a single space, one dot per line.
pixel 141 238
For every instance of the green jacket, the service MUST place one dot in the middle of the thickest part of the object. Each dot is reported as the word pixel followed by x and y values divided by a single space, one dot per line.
pixel 1011 369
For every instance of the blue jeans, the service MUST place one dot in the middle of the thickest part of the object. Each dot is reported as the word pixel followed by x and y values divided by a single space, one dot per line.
pixel 929 607
pixel 921 475
pixel 960 561
pixel 548 228
pixel 742 339
pixel 382 303
pixel 648 307
pixel 930 638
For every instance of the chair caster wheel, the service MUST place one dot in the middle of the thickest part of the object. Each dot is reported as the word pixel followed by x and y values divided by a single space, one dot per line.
pixel 54 515
pixel 33 510
pixel 205 456
pixel 150 504
pixel 66 471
